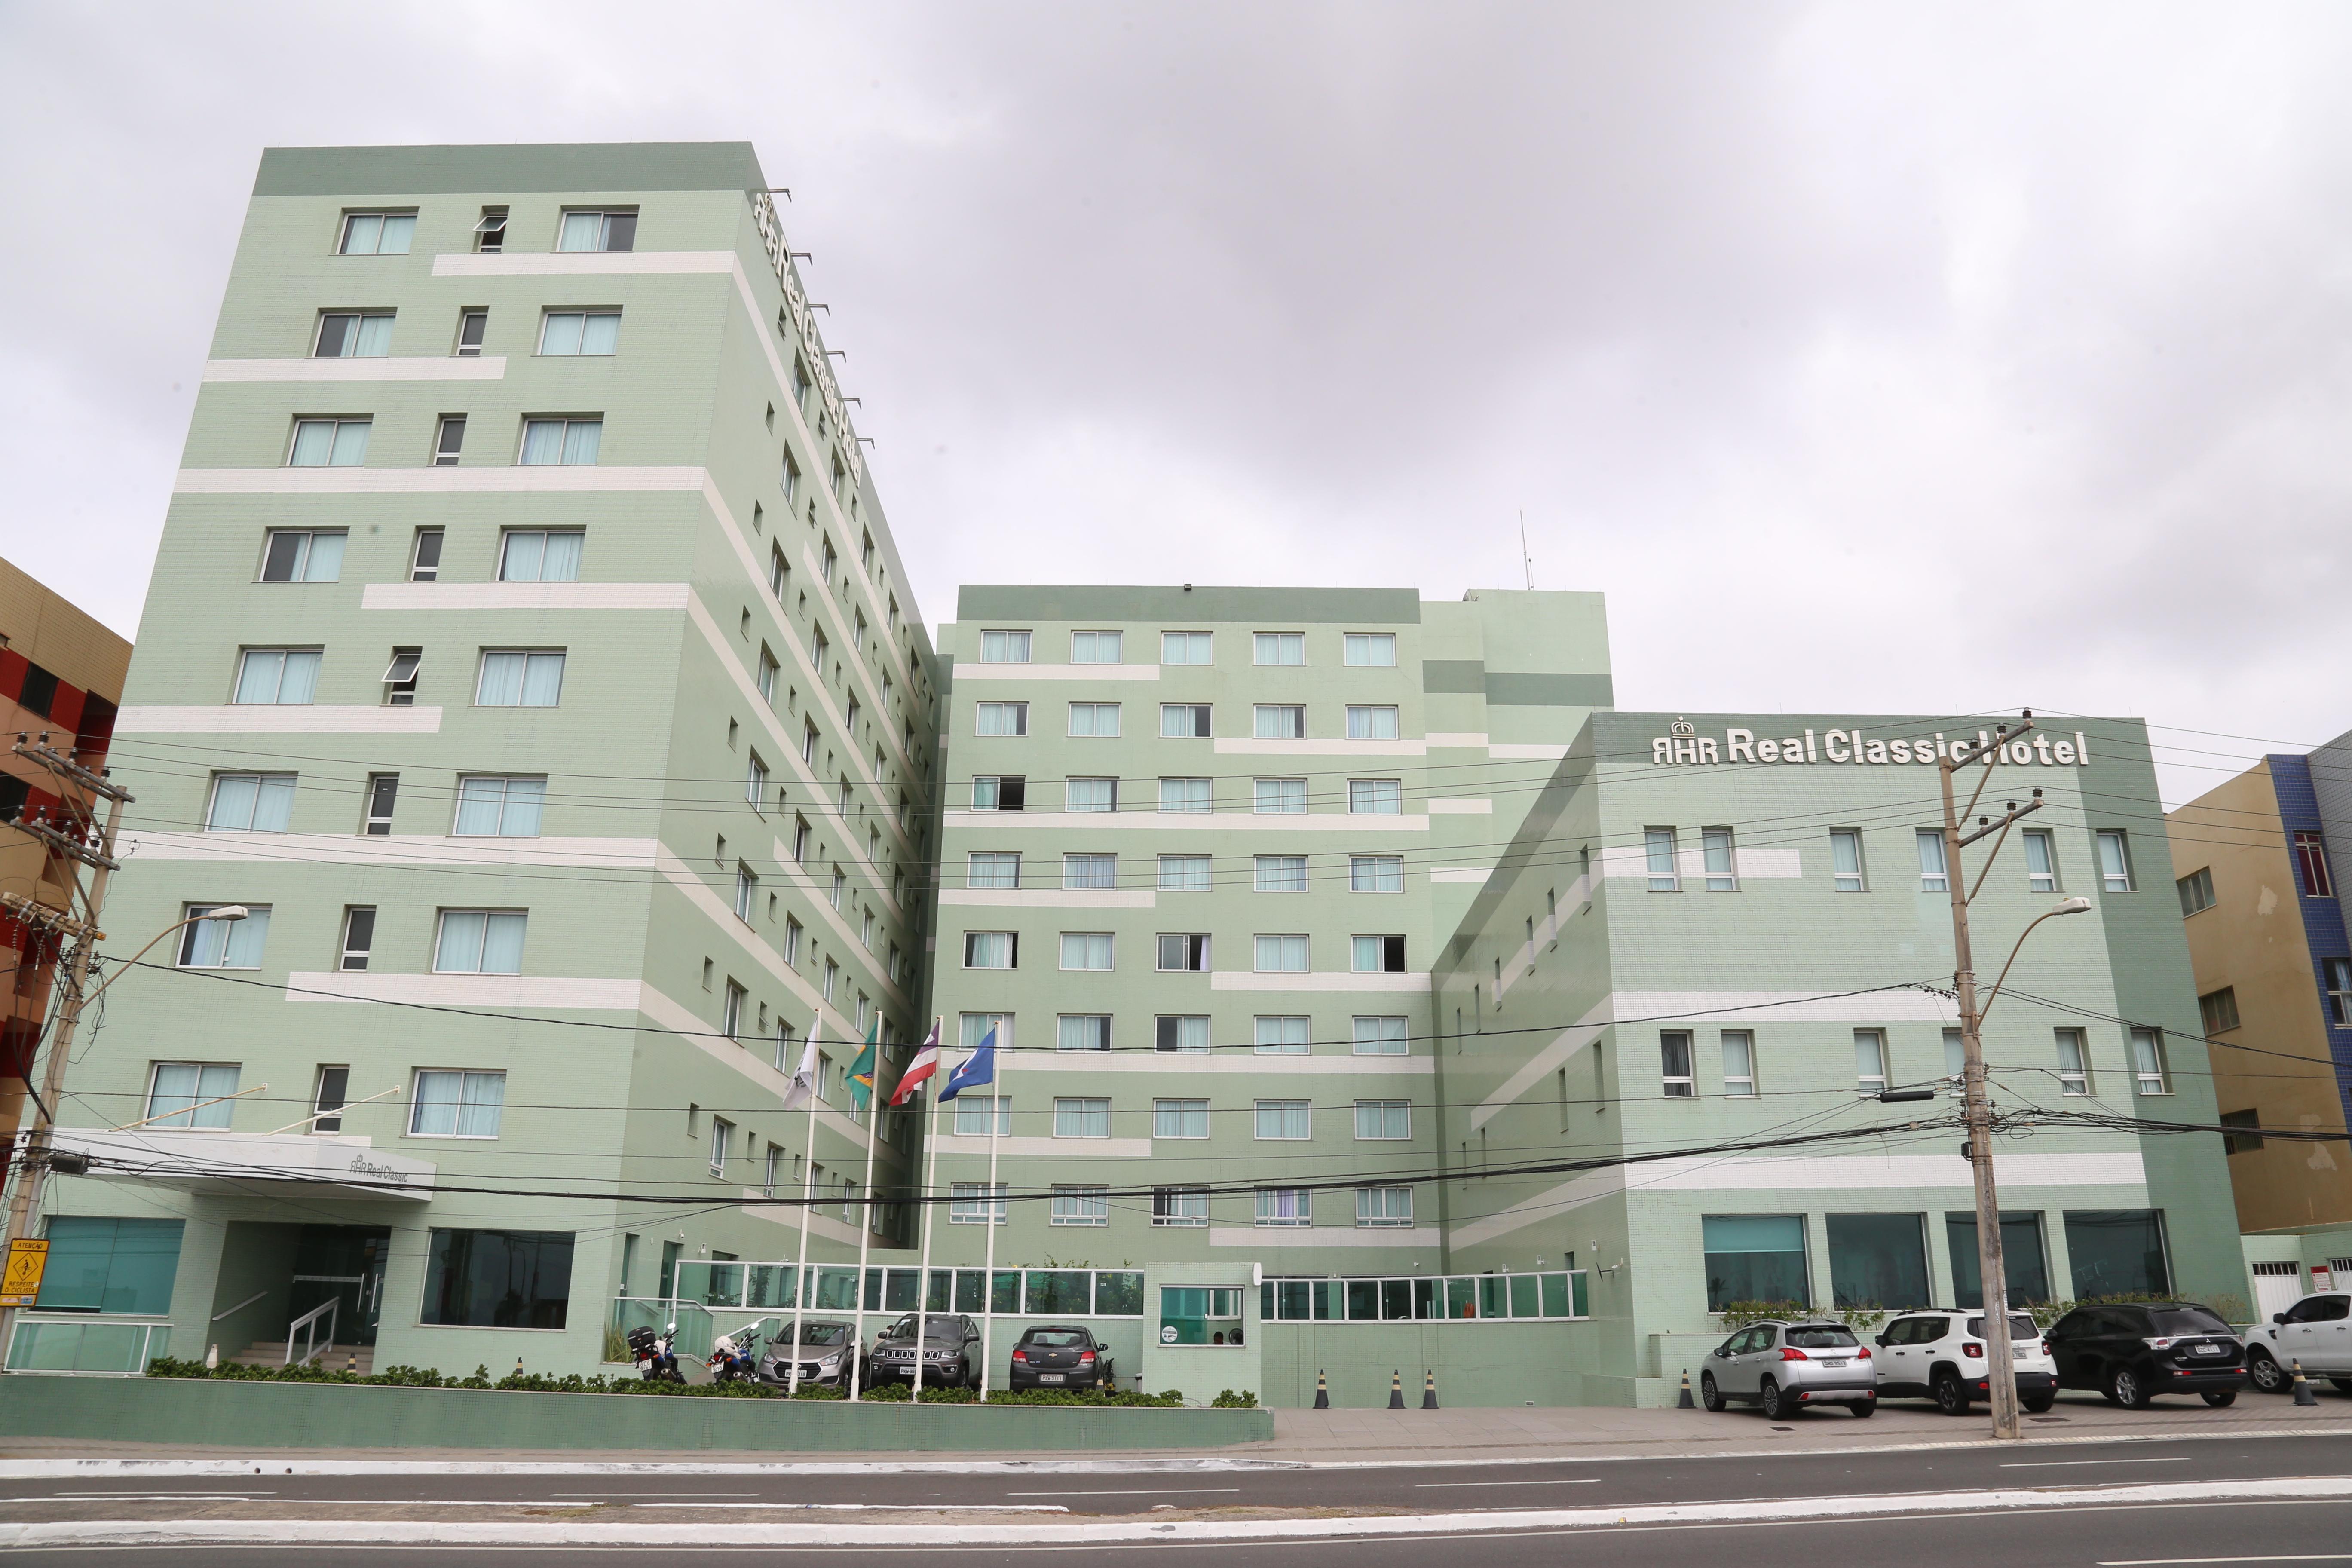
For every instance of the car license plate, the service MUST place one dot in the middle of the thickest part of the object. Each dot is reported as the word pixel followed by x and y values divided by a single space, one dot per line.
pixel 1049 1377
pixel 1839 1362
pixel 2209 1349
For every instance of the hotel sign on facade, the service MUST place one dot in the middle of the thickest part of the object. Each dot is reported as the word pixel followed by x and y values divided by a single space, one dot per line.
pixel 1685 747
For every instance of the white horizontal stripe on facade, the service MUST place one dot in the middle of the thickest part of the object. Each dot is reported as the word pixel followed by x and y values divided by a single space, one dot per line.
pixel 1874 1173
pixel 573 993
pixel 583 263
pixel 1248 747
pixel 789 1215
pixel 1457 739
pixel 1057 672
pixel 1048 1148
pixel 1235 1061
pixel 1265 1238
pixel 1569 1196
pixel 1194 821
pixel 440 367
pixel 394 850
pixel 1053 898
pixel 1458 874
pixel 1506 753
pixel 1520 965
pixel 1539 1066
pixel 523 597
pixel 565 478
pixel 692 1029
pixel 1319 980
pixel 1629 860
pixel 1460 806
pixel 276 718
pixel 770 962
pixel 1901 1007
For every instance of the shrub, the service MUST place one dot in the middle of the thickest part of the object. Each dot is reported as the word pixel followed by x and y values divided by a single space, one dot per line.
pixel 574 1383
pixel 1227 1399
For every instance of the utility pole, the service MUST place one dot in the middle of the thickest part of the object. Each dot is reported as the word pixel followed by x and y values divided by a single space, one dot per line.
pixel 71 837
pixel 1977 1102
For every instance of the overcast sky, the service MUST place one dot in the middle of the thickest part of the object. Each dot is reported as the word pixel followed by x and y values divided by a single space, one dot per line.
pixel 1875 357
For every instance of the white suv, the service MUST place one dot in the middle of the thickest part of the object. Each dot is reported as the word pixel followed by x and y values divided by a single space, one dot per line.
pixel 1941 1354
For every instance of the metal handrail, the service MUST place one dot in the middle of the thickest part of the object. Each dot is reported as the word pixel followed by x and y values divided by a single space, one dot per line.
pixel 241 1306
pixel 309 1321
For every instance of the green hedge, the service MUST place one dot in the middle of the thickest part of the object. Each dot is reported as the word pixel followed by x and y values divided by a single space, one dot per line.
pixel 538 1382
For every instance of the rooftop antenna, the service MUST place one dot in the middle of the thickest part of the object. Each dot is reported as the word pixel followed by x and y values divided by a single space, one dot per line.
pixel 1527 562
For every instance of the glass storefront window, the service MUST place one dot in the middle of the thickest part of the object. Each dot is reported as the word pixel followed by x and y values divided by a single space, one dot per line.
pixel 2117 1252
pixel 110 1265
pixel 1878 1260
pixel 2022 1257
pixel 1754 1258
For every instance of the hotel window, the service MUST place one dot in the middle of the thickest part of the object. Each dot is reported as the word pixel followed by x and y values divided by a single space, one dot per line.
pixel 1082 1032
pixel 779 573
pixel 1372 723
pixel 1180 1119
pixel 1278 721
pixel 972 1112
pixel 1284 1207
pixel 1278 647
pixel 1870 1061
pixel 490 233
pixel 722 1139
pixel 2310 865
pixel 376 234
pixel 597 231
pixel 2073 1063
pixel 2246 1137
pixel 330 443
pixel 479 941
pixel 1001 718
pixel 1371 648
pixel 1279 873
pixel 580 332
pixel 1184 795
pixel 1383 1121
pixel 755 783
pixel 532 555
pixel 840 888
pixel 991 950
pixel 1095 720
pixel 1384 1208
pixel 1375 798
pixel 223 945
pixel 731 1011
pixel 1179 1206
pixel 1094 648
pixel 1184 720
pixel 250 803
pixel 2196 892
pixel 562 442
pixel 2041 861
pixel 1081 1205
pixel 457 1104
pixel 1183 873
pixel 358 936
pixel 1000 791
pixel 1185 952
pixel 1283 1120
pixel 1376 955
pixel 1082 1118
pixel 1089 871
pixel 1382 1036
pixel 801 836
pixel 747 892
pixel 343 336
pixel 1280 1034
pixel 333 1085
pixel 499 807
pixel 177 1091
pixel 1278 797
pixel 2335 976
pixel 793 930
pixel 382 791
pixel 1185 647
pixel 400 678
pixel 992 869
pixel 808 743
pixel 2148 1073
pixel 1089 949
pixel 1376 873
pixel 1715 849
pixel 301 555
pixel 1005 647
pixel 1280 954
pixel 1090 794
pixel 1185 1034
pixel 472 326
pixel 2114 861
pixel 1956 1062
pixel 1675 1064
pixel 519 679
pixel 1931 860
pixel 1658 844
pixel 448 444
pixel 968 1202
pixel 424 559
pixel 1738 1064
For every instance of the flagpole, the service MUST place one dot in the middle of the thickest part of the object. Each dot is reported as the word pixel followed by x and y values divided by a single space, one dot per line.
pixel 997 1071
pixel 923 1286
pixel 808 1208
pixel 865 1213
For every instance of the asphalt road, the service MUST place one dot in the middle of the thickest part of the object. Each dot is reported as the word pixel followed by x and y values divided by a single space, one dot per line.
pixel 1421 1488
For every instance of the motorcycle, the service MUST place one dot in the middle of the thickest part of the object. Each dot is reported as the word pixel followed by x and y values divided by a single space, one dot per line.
pixel 736 1357
pixel 655 1354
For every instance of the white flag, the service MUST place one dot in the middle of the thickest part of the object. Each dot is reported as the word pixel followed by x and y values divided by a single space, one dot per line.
pixel 804 1085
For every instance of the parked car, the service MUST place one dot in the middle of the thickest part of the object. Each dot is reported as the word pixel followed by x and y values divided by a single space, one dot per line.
pixel 2131 1351
pixel 2315 1332
pixel 1056 1356
pixel 1784 1367
pixel 823 1356
pixel 1942 1354
pixel 950 1351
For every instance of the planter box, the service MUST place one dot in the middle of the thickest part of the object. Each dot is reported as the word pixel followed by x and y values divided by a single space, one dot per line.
pixel 318 1417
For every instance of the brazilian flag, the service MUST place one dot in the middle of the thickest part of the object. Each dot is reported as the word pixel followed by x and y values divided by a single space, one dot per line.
pixel 861 1071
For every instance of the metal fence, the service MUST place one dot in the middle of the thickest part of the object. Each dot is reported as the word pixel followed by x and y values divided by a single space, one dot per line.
pixel 730 1285
pixel 1456 1298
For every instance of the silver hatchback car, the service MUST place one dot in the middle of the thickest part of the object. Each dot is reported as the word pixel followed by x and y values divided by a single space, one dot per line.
pixel 1784 1367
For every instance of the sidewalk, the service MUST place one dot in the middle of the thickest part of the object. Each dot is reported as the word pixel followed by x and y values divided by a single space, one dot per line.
pixel 1385 1437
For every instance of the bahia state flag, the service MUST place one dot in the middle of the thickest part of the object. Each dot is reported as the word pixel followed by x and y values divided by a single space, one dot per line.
pixel 977 1068
pixel 926 1063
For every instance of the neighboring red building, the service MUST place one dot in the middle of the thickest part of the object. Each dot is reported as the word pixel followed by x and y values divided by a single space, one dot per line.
pixel 61 673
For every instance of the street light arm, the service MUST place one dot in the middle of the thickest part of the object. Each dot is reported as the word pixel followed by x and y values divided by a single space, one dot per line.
pixel 124 964
pixel 2070 907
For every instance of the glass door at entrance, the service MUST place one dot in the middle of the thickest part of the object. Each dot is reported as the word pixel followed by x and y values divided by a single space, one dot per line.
pixel 343 1263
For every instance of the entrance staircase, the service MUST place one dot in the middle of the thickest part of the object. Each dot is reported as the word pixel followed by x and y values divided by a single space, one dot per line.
pixel 334 1358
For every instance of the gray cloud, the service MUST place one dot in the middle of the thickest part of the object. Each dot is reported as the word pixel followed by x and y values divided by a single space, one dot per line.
pixel 1866 356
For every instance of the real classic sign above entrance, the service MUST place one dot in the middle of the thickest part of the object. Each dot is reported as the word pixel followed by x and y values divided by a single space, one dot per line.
pixel 1685 747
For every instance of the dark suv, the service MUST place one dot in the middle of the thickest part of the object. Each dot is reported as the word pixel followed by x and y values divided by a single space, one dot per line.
pixel 2134 1351
pixel 950 1351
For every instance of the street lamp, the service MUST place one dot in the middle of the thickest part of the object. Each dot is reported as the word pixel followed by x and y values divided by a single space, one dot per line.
pixel 2077 906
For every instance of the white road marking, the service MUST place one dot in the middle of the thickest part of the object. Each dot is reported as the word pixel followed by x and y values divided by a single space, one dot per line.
pixel 2065 1464
pixel 1561 1481
pixel 653 1494
pixel 1168 1491
pixel 870 1507
pixel 2169 1562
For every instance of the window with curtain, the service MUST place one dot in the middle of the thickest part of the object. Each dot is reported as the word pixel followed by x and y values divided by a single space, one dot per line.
pixel 1082 1117
pixel 1179 1118
pixel 514 677
pixel 457 1104
pixel 177 1091
pixel 597 231
pixel 1372 723
pixel 1278 721
pixel 1381 1036
pixel 223 945
pixel 1094 648
pixel 1279 873
pixel 497 1279
pixel 1183 873
pixel 1675 1064
pixel 2041 861
pixel 280 676
pixel 1184 795
pixel 1284 1120
pixel 1179 1206
pixel 541 555
pixel 2148 1074
pixel 1384 1120
pixel 992 869
pixel 1846 860
pixel 1097 720
pixel 569 333
pixel 376 234
pixel 1658 847
pixel 1278 647
pixel 1281 1034
pixel 988 949
pixel 1074 1205
pixel 1004 648
pixel 2310 866
pixel 250 803
pixel 1278 797
pixel 2073 1063
pixel 479 941
pixel 1376 873
pixel 1089 871
pixel 1375 798
pixel 352 336
pixel 1186 647
pixel 1370 649
pixel 1931 860
pixel 1384 1207
pixel 499 807
pixel 1185 720
pixel 1185 1032
pixel 1283 1207
pixel 562 442
pixel 1738 1064
pixel 303 555
pixel 1279 955
pixel 2114 861
pixel 1754 1258
pixel 330 443
pixel 1955 1060
pixel 1082 1032
pixel 1878 1260
pixel 973 1112
pixel 1087 950
pixel 1090 794
pixel 1870 1061
pixel 1715 852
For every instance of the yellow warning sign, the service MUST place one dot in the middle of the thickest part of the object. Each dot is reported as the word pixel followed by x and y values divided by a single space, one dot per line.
pixel 21 1281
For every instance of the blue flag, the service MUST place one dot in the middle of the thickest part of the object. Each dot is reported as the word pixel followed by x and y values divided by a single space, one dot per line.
pixel 977 1068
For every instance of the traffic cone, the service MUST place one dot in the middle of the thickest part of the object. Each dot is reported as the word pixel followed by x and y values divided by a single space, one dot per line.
pixel 351 1360
pixel 1429 1389
pixel 1322 1392
pixel 1396 1390
pixel 2304 1393
pixel 1685 1402
pixel 518 1366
